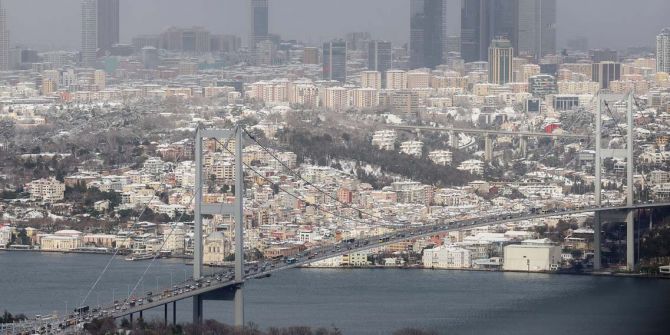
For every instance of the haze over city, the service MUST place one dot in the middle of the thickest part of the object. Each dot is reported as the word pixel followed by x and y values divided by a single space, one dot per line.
pixel 57 22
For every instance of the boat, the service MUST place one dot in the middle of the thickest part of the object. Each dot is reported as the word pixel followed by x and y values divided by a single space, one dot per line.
pixel 140 257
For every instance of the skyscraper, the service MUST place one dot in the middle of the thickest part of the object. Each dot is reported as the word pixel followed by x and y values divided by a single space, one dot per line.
pixel 537 27
pixel 335 61
pixel 108 23
pixel 428 33
pixel 485 20
pixel 4 39
pixel 530 25
pixel 474 30
pixel 89 32
pixel 604 72
pixel 662 51
pixel 500 61
pixel 380 57
pixel 259 22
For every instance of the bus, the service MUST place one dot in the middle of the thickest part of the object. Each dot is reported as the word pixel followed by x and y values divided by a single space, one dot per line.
pixel 291 261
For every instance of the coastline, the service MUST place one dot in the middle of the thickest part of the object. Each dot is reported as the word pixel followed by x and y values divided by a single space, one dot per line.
pixel 378 267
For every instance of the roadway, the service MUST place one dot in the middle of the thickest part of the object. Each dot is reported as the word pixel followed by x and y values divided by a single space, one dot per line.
pixel 225 279
pixel 491 132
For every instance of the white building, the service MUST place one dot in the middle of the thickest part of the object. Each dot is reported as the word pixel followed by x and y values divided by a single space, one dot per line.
pixel 441 157
pixel 384 139
pixel 412 148
pixel 532 256
pixel 47 190
pixel 447 257
pixel 5 236
pixel 473 166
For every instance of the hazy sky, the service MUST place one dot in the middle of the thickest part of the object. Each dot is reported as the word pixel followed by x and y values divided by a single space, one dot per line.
pixel 56 23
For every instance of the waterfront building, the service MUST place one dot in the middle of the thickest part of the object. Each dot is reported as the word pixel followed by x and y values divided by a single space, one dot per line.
pixel 532 256
pixel 447 257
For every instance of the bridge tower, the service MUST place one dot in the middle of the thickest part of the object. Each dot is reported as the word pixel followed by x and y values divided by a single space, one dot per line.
pixel 630 186
pixel 236 210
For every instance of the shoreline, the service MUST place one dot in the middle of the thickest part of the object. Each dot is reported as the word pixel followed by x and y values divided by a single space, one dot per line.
pixel 378 267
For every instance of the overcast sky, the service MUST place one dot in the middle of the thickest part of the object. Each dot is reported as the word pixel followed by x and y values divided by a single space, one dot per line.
pixel 56 23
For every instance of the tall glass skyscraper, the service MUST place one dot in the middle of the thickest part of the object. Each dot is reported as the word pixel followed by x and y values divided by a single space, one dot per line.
pixel 259 22
pixel 428 33
pixel 108 23
pixel 335 61
pixel 537 27
pixel 380 57
pixel 530 25
pixel 4 39
pixel 89 32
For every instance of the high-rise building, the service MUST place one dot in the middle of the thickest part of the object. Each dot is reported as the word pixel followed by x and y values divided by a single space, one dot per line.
pixel 108 23
pixel 542 85
pixel 259 22
pixel 501 54
pixel 357 40
pixel 380 57
pixel 335 60
pixel 396 80
pixel 4 39
pixel 485 20
pixel 662 51
pixel 310 55
pixel 428 33
pixel 194 39
pixel 537 27
pixel 89 32
pixel 371 79
pixel 603 55
pixel 605 72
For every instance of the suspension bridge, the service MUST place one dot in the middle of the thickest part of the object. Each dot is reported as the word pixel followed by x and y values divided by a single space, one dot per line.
pixel 229 284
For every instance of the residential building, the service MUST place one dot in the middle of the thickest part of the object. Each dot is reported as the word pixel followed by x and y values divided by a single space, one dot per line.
pixel 371 79
pixel 447 257
pixel 412 148
pixel 384 139
pixel 47 190
pixel 441 157
pixel 663 51
pixel 396 80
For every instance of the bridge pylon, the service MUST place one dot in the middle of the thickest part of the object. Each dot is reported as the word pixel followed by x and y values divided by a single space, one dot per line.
pixel 236 210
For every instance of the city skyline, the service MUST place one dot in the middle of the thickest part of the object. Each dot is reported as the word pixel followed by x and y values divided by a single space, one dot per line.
pixel 61 20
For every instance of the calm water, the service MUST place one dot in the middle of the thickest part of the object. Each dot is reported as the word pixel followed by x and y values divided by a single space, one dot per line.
pixel 363 301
